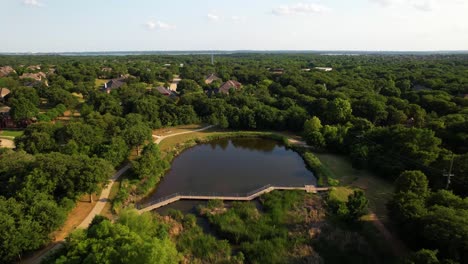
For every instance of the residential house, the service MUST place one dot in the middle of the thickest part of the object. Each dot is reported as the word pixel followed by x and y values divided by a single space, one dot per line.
pixel 34 67
pixel 211 78
pixel 327 69
pixel 277 71
pixel 163 90
pixel 51 71
pixel 6 70
pixel 35 76
pixel 166 92
pixel 3 93
pixel 106 69
pixel 231 84
pixel 113 84
pixel 174 83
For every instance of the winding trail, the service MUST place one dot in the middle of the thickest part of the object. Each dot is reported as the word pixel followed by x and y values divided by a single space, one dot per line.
pixel 104 198
pixel 101 203
pixel 161 138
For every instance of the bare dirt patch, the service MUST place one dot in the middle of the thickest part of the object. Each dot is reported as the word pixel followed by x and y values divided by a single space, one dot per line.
pixel 75 217
pixel 6 143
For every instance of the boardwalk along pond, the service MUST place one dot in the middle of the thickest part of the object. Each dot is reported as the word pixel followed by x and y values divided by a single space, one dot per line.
pixel 233 166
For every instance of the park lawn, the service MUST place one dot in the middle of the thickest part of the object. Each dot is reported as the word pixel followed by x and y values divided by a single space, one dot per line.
pixel 340 193
pixel 11 133
pixel 169 143
pixel 79 96
pixel 379 191
pixel 177 129
pixel 98 83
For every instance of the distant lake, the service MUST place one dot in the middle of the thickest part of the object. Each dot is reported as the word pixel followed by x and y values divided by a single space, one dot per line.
pixel 238 165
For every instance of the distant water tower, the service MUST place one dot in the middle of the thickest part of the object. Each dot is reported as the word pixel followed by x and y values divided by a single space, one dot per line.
pixel 212 58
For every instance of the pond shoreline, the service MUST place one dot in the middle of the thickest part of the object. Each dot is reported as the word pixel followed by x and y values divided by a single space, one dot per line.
pixel 181 148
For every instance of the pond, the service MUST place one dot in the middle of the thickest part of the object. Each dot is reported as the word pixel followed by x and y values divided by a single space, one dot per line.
pixel 230 166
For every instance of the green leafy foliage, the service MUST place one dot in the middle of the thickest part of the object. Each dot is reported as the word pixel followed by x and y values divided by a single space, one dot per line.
pixel 133 239
pixel 390 114
pixel 438 220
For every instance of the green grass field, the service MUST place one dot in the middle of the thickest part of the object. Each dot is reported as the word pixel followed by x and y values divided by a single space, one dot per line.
pixel 11 133
pixel 98 83
pixel 378 190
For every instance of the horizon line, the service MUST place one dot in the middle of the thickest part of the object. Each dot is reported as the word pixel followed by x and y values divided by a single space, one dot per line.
pixel 208 51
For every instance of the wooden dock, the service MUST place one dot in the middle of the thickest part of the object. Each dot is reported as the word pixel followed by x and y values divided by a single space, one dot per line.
pixel 237 197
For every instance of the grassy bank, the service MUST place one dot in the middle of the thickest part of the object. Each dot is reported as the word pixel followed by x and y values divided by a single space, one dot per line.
pixel 330 169
pixel 11 133
pixel 133 189
pixel 378 190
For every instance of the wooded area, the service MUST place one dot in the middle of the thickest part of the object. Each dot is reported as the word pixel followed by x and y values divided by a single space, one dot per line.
pixel 405 117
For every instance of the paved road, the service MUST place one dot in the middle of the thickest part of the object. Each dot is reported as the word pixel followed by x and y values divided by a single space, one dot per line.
pixel 103 199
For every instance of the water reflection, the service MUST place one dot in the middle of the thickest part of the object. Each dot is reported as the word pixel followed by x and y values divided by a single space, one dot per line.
pixel 231 166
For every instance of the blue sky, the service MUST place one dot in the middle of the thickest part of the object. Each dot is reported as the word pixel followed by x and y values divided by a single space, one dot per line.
pixel 117 25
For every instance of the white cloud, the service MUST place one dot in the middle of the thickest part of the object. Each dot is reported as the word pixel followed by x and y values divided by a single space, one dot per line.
pixel 153 25
pixel 387 2
pixel 299 8
pixel 213 17
pixel 34 3
pixel 424 5
pixel 421 5
pixel 237 18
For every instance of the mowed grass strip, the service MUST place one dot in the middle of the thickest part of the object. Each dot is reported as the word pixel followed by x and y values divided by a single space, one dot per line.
pixel 378 190
pixel 11 133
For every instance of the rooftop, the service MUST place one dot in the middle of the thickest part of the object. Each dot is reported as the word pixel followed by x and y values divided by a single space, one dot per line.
pixel 225 87
pixel 211 78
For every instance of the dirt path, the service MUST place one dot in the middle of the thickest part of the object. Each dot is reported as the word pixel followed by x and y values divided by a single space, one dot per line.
pixel 104 198
pixel 398 247
pixel 158 139
pixel 98 207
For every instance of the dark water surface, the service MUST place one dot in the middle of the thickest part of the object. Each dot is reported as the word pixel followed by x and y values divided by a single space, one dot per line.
pixel 229 166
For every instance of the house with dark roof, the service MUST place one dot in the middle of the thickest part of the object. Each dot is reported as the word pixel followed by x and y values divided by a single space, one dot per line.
pixel 231 84
pixel 113 84
pixel 164 91
pixel 211 78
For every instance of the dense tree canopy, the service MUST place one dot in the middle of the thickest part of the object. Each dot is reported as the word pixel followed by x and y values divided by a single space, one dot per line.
pixel 133 239
pixel 390 113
